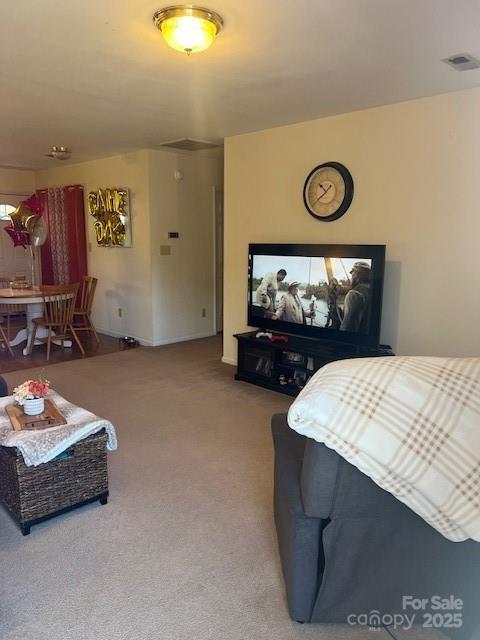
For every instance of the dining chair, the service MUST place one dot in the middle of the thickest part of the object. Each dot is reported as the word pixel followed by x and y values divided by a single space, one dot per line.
pixel 84 309
pixel 11 310
pixel 58 307
pixel 4 342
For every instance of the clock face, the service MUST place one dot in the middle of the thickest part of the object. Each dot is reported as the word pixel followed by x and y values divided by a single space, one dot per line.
pixel 328 191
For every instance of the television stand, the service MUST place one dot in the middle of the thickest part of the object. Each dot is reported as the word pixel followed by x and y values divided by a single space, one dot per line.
pixel 287 366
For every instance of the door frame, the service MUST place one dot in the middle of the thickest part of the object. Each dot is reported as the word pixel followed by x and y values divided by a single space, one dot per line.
pixel 217 191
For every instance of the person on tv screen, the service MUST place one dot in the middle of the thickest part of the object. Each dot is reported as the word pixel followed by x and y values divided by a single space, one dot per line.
pixel 290 307
pixel 334 290
pixel 357 301
pixel 266 294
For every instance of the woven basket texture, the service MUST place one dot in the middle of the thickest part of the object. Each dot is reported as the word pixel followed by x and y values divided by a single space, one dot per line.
pixel 35 492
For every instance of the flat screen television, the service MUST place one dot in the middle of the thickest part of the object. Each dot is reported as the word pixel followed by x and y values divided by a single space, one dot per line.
pixel 329 291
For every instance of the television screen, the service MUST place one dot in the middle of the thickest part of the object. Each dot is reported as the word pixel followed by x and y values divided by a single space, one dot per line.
pixel 319 290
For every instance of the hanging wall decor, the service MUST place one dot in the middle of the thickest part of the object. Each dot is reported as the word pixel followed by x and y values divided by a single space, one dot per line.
pixel 111 210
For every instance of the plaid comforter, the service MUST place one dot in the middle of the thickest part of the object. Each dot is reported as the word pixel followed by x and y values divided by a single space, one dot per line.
pixel 412 424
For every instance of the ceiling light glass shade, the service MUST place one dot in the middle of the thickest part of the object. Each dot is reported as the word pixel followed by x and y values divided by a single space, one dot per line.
pixel 189 34
pixel 188 29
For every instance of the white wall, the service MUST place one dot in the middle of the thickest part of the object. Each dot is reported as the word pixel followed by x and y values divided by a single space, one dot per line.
pixel 416 167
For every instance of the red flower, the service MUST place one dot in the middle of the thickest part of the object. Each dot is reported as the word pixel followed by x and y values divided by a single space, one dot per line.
pixel 39 388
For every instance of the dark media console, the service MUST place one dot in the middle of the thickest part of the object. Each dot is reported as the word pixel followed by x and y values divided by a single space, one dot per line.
pixel 286 366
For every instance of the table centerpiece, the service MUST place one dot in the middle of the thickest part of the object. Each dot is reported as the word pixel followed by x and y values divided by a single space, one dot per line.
pixel 31 395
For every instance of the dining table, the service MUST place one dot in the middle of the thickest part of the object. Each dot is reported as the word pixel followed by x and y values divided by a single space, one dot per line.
pixel 32 298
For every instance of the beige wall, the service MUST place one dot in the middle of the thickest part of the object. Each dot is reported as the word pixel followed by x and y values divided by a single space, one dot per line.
pixel 161 297
pixel 416 167
pixel 16 182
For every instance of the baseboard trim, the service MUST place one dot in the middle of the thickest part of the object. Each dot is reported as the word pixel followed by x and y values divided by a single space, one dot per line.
pixel 158 343
pixel 195 336
pixel 229 361
pixel 117 334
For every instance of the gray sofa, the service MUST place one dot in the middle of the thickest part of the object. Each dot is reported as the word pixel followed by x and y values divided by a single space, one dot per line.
pixel 348 547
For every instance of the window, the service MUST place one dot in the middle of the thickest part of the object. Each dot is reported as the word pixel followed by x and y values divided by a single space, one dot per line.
pixel 5 211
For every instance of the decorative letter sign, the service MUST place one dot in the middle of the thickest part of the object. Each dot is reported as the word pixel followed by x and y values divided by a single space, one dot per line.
pixel 111 210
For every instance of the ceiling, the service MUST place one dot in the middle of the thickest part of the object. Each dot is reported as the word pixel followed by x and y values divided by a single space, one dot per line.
pixel 96 75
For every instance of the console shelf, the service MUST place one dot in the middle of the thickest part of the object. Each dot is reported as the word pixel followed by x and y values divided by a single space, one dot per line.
pixel 287 366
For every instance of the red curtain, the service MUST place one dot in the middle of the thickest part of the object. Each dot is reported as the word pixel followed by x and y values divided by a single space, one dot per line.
pixel 64 254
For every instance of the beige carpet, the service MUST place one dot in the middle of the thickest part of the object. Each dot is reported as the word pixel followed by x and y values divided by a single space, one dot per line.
pixel 186 547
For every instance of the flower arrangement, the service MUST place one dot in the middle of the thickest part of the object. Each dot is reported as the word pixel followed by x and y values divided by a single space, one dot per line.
pixel 31 389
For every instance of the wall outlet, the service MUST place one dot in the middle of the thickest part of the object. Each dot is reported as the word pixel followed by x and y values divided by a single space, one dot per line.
pixel 204 313
pixel 119 312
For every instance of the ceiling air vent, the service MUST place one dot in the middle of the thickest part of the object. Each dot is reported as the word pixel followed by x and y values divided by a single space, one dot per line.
pixel 188 144
pixel 462 62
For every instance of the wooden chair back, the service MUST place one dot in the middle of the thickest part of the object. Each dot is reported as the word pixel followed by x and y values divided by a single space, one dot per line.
pixel 10 310
pixel 4 343
pixel 4 284
pixel 59 304
pixel 87 293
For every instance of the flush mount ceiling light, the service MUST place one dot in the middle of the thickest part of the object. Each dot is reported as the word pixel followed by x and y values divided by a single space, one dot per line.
pixel 59 153
pixel 188 28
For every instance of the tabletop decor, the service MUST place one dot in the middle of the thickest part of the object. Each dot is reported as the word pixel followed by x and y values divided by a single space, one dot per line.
pixel 31 395
pixel 51 416
pixel 111 209
pixel 20 284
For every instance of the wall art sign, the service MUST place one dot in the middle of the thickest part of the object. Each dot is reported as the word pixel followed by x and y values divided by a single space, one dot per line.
pixel 111 210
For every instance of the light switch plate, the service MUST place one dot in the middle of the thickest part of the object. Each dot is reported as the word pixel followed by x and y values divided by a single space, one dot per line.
pixel 165 250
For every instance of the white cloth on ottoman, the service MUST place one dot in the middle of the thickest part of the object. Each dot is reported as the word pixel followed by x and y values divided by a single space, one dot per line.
pixel 43 445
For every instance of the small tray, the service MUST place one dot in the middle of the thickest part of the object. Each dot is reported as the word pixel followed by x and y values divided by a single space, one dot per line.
pixel 51 417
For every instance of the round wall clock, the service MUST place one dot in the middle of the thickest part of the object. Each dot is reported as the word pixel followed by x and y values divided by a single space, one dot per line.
pixel 328 191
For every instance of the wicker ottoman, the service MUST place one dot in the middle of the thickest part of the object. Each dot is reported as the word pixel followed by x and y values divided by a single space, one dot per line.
pixel 77 477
